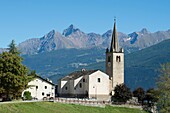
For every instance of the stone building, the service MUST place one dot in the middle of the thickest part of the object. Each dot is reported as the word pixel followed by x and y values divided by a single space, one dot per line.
pixel 95 83
pixel 85 84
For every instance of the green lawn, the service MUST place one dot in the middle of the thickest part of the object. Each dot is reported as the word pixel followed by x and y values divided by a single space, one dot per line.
pixel 50 107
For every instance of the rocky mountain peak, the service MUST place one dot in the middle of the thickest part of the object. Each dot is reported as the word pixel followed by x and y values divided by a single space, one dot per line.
pixel 73 37
pixel 144 31
pixel 71 29
pixel 48 35
pixel 107 34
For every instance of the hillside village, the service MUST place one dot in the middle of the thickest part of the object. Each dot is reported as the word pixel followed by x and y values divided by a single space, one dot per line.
pixel 85 83
pixel 105 87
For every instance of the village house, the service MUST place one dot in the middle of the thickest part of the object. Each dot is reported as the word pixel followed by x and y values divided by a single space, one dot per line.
pixel 95 83
pixel 41 88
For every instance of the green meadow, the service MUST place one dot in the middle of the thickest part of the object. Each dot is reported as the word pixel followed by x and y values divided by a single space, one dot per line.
pixel 50 107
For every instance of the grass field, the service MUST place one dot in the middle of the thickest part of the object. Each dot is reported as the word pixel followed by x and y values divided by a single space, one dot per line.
pixel 50 107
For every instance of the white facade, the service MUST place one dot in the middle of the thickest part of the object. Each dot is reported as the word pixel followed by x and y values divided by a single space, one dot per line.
pixel 87 84
pixel 99 86
pixel 41 88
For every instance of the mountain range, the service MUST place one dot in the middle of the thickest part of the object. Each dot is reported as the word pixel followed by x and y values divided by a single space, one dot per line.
pixel 56 54
pixel 141 67
pixel 73 37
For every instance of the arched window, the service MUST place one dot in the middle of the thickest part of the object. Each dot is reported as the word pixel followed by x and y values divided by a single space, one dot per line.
pixel 109 59
pixel 80 85
pixel 98 79
pixel 118 59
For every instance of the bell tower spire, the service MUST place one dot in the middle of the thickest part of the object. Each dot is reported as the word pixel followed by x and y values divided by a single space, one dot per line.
pixel 115 61
pixel 114 42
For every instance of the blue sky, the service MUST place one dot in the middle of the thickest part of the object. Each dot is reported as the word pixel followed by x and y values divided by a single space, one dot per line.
pixel 25 19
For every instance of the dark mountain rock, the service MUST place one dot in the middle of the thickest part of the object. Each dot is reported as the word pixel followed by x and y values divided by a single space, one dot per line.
pixel 71 29
pixel 133 37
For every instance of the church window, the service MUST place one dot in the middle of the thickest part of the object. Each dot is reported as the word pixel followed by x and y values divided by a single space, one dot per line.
pixel 42 93
pixel 98 79
pixel 36 87
pixel 65 88
pixel 83 79
pixel 118 59
pixel 80 85
pixel 109 59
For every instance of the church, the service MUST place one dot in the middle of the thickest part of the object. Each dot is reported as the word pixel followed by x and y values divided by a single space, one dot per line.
pixel 95 84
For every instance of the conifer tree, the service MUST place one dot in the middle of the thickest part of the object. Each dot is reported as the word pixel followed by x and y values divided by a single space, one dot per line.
pixel 12 48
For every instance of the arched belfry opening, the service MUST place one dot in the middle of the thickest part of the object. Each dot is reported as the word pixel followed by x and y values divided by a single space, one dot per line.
pixel 118 59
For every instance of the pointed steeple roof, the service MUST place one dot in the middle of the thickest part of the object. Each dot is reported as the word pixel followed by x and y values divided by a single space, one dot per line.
pixel 114 42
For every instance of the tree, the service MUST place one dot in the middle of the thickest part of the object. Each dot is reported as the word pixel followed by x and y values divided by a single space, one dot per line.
pixel 13 74
pixel 122 93
pixel 151 96
pixel 150 99
pixel 12 48
pixel 163 85
pixel 140 93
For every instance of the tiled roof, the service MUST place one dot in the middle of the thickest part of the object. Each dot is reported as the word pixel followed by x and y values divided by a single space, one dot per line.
pixel 78 74
pixel 45 80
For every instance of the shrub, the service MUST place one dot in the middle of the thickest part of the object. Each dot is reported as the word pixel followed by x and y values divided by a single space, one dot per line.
pixel 27 95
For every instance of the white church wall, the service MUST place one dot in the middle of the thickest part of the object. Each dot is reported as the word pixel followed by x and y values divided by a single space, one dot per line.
pixel 98 84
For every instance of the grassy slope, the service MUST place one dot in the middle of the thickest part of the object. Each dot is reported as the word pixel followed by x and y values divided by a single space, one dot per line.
pixel 49 107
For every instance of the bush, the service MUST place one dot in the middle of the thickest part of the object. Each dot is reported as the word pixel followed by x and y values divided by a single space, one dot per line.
pixel 139 93
pixel 27 95
pixel 121 94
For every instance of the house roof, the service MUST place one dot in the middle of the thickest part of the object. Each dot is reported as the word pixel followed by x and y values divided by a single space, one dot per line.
pixel 77 74
pixel 46 80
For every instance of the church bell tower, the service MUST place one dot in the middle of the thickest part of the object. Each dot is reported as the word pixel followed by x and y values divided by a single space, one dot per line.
pixel 115 61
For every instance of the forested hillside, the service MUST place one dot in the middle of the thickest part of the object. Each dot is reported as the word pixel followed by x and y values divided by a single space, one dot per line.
pixel 141 67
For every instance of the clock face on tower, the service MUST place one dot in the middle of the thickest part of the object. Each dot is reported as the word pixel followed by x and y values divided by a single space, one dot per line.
pixel 109 64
